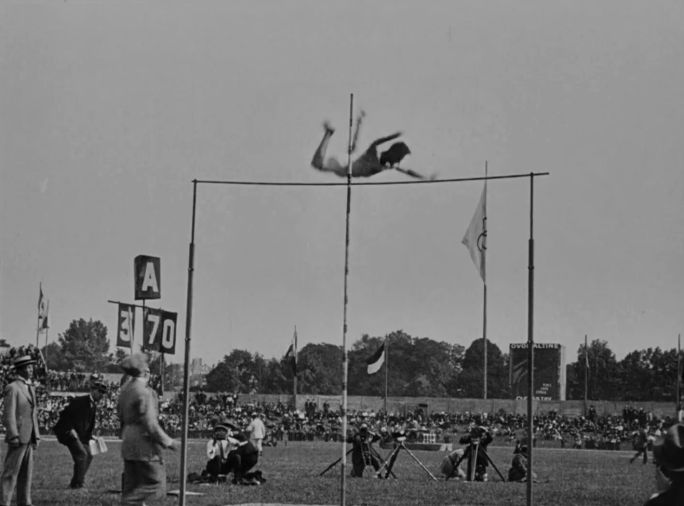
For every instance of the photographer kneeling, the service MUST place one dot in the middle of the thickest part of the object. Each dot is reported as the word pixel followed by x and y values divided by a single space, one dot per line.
pixel 478 440
pixel 362 452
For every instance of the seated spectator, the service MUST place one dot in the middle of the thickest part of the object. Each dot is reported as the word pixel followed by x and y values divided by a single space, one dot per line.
pixel 218 449
pixel 518 470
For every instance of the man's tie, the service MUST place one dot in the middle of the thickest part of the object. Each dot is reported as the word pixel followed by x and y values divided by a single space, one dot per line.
pixel 221 450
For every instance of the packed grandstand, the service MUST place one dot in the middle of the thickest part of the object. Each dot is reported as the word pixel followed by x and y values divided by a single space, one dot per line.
pixel 323 423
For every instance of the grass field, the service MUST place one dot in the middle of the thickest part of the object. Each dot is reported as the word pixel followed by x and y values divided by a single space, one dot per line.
pixel 567 477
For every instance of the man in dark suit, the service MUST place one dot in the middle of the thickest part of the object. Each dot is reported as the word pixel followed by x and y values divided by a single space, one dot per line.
pixel 20 419
pixel 75 429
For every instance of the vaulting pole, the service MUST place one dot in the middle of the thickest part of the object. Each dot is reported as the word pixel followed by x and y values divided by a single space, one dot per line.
pixel 344 325
pixel 484 307
pixel 530 346
pixel 186 370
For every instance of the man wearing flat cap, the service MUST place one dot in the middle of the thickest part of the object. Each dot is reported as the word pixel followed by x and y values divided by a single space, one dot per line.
pixel 21 434
pixel 668 454
pixel 75 426
pixel 218 448
pixel 144 440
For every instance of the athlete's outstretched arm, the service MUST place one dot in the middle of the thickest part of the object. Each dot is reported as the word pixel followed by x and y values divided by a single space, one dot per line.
pixel 383 140
pixel 355 138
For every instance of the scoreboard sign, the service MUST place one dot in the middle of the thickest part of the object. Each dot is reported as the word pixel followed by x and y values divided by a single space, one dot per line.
pixel 125 326
pixel 549 371
pixel 159 331
pixel 147 277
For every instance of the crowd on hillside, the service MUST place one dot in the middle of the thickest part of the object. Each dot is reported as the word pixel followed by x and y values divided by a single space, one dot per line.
pixel 323 423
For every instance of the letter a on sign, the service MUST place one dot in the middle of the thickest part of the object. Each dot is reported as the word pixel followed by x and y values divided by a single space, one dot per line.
pixel 147 277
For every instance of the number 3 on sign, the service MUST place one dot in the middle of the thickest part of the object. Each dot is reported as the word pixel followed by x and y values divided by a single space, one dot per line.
pixel 126 326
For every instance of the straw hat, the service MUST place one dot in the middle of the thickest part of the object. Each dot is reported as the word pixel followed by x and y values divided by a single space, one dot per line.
pixel 23 361
pixel 669 451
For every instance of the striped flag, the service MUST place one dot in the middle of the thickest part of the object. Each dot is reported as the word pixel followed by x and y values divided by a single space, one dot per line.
pixel 376 360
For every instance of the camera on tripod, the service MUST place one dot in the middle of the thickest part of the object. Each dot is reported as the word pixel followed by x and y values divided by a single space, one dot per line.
pixel 477 439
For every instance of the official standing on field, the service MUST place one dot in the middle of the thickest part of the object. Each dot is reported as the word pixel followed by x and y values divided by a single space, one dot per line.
pixel 143 439
pixel 21 434
pixel 75 429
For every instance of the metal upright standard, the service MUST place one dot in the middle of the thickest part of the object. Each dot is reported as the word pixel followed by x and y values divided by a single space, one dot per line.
pixel 345 369
pixel 186 369
pixel 348 184
pixel 530 346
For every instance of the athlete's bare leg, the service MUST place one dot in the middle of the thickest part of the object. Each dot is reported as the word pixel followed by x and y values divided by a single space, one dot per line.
pixel 318 160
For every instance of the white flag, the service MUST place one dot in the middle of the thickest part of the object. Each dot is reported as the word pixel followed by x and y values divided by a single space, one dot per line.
pixel 475 238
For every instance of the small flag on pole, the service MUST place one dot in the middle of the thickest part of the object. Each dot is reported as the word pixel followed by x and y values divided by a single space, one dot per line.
pixel 42 304
pixel 475 238
pixel 376 360
pixel 292 353
pixel 44 325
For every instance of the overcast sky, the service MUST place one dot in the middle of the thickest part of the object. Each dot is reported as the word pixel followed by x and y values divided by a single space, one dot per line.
pixel 108 110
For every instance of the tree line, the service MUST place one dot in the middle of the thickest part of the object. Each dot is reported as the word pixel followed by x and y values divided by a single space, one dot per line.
pixel 416 367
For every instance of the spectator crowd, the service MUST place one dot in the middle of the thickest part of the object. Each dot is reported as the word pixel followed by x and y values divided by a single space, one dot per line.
pixel 321 423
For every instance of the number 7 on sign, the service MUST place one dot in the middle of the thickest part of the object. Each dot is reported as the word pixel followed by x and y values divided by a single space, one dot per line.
pixel 151 329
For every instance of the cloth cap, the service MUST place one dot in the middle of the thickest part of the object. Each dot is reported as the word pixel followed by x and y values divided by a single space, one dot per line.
pixel 225 424
pixel 135 365
pixel 99 385
pixel 23 361
pixel 669 451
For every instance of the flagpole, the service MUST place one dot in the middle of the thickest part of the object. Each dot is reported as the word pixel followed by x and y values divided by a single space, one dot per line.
pixel 530 345
pixel 386 370
pixel 47 332
pixel 484 316
pixel 295 369
pixel 344 325
pixel 40 287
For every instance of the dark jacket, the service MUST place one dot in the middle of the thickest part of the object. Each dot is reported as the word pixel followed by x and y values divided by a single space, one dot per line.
pixel 79 415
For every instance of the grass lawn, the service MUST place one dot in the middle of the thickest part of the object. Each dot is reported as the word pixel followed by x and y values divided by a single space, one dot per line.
pixel 567 477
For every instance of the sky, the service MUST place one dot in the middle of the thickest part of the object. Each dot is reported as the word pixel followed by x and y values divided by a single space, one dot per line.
pixel 108 111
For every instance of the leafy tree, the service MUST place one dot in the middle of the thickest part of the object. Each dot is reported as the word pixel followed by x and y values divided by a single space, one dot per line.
pixel 52 353
pixel 471 379
pixel 604 378
pixel 84 346
pixel 319 368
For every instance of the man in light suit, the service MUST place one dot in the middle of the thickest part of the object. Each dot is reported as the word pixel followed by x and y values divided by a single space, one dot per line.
pixel 144 440
pixel 21 434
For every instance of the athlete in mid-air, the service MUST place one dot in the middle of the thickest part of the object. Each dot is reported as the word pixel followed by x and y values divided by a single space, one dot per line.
pixel 368 163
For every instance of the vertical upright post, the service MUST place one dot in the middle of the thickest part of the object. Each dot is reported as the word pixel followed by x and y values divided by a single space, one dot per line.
pixel 40 287
pixel 586 374
pixel 161 370
pixel 679 376
pixel 386 371
pixel 530 346
pixel 186 369
pixel 484 306
pixel 344 325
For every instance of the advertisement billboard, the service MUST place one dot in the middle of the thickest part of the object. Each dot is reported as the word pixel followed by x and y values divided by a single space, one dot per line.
pixel 549 371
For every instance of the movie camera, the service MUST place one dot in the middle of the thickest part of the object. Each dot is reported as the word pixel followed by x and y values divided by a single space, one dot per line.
pixel 477 440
